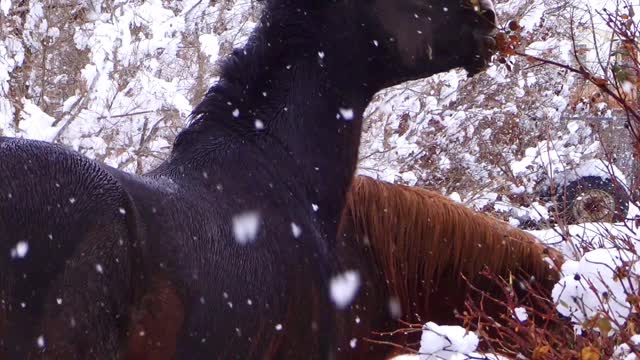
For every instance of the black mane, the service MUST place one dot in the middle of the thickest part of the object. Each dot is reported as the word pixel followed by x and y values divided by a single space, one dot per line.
pixel 287 32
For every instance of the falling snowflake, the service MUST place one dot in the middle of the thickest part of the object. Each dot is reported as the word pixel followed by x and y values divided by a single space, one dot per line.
pixel 344 288
pixel 246 226
pixel 40 341
pixel 296 230
pixel 20 250
pixel 346 114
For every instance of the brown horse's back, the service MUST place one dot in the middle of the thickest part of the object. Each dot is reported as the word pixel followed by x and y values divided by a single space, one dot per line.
pixel 414 246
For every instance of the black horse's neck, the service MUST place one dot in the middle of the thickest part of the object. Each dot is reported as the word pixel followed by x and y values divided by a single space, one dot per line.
pixel 298 92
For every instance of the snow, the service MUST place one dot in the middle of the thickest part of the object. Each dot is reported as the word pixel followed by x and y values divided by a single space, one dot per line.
pixel 5 6
pixel 599 168
pixel 591 286
pixel 40 341
pixel 533 17
pixel 455 197
pixel 343 288
pixel 296 230
pixel 594 235
pixel 624 351
pixel 245 227
pixel 20 250
pixel 137 74
pixel 347 113
pixel 446 342
pixel 521 314
pixel 36 124
pixel 560 49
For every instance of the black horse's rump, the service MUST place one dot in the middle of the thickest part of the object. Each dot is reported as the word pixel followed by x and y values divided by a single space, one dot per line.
pixel 226 249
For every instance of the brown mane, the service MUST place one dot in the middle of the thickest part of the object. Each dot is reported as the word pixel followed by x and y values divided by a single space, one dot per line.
pixel 421 242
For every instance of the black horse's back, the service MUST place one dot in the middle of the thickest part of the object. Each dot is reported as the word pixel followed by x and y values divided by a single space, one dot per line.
pixel 238 302
pixel 64 245
pixel 147 268
pixel 242 274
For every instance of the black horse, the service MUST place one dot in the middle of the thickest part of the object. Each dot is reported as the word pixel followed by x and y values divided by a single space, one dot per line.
pixel 225 250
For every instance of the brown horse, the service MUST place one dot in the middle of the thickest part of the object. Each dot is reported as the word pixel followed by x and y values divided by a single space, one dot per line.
pixel 414 248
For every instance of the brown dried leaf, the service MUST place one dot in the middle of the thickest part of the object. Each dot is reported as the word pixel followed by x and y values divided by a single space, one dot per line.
pixel 604 325
pixel 541 352
pixel 514 25
pixel 502 42
pixel 589 353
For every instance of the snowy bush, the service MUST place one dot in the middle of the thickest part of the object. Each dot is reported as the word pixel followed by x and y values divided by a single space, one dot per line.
pixel 114 80
pixel 596 289
pixel 446 342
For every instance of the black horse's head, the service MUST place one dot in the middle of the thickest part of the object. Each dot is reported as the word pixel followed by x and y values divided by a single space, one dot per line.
pixel 428 36
pixel 396 40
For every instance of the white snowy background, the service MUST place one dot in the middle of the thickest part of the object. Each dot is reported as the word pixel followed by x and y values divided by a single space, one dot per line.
pixel 116 79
